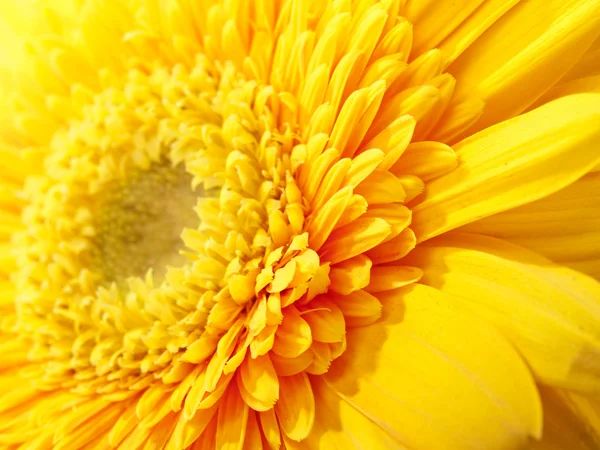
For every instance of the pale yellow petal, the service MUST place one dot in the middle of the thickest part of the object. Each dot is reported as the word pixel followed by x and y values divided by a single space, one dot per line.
pixel 564 227
pixel 550 313
pixel 340 426
pixel 407 372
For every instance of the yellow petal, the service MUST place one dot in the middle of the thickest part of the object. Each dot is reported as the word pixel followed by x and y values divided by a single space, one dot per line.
pixel 385 278
pixel 394 249
pixel 524 54
pixel 363 165
pixel 322 357
pixel 123 426
pixel 340 426
pixel 406 372
pixel 187 431
pixel 396 215
pixel 259 380
pixel 381 187
pixel 350 275
pixel 473 27
pixel 579 86
pixel 513 163
pixel 7 259
pixel 571 421
pixel 331 182
pixel 355 208
pixel 356 117
pixel 456 120
pixel 293 336
pixel 587 66
pixel 433 20
pixel 563 227
pixel 326 217
pixel 83 435
pixel 15 166
pixel 326 321
pixel 208 438
pixel 359 308
pixel 393 140
pixel 270 428
pixel 355 238
pixel 427 160
pixel 291 366
pixel 232 420
pixel 417 101
pixel 398 39
pixel 590 267
pixel 550 313
pixel 295 409
pixel 253 439
pixel 411 185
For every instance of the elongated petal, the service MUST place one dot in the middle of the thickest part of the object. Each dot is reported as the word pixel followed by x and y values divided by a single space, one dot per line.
pixel 232 420
pixel 426 160
pixel 293 336
pixel 339 425
pixel 583 77
pixel 385 278
pixel 187 431
pixel 549 312
pixel 473 27
pixel 406 372
pixel 434 20
pixel 296 407
pixel 588 65
pixel 259 380
pixel 326 321
pixel 524 54
pixel 513 163
pixel 350 275
pixel 564 227
pixel 355 238
pixel 578 86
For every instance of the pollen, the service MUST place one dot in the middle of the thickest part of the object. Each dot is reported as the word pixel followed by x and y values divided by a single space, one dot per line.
pixel 139 222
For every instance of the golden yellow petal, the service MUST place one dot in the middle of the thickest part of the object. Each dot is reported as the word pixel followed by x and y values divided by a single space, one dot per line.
pixel 524 53
pixel 296 408
pixel 513 163
pixel 232 420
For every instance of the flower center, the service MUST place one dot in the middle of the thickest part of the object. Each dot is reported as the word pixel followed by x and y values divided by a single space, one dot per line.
pixel 139 222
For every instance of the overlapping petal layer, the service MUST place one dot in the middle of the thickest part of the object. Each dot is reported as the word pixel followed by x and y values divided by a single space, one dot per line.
pixel 304 152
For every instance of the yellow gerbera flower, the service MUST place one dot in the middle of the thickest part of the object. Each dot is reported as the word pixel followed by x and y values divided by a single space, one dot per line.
pixel 303 224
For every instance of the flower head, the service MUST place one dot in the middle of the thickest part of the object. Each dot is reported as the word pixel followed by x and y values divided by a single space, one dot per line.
pixel 233 224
